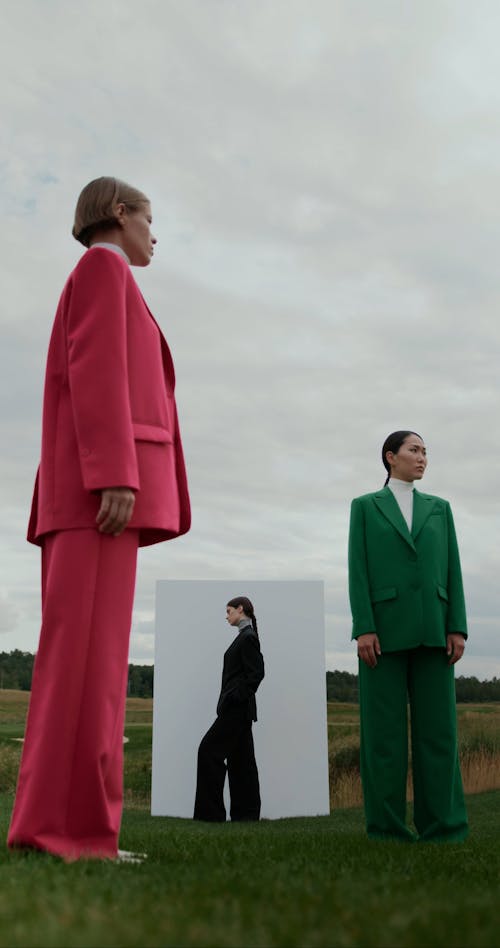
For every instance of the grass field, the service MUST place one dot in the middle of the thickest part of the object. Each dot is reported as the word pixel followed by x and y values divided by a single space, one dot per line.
pixel 479 736
pixel 479 743
pixel 302 882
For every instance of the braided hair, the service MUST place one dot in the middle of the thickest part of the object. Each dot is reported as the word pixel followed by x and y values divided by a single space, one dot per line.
pixel 247 609
pixel 393 443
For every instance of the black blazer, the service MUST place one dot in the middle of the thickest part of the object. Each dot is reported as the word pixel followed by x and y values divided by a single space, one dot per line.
pixel 242 674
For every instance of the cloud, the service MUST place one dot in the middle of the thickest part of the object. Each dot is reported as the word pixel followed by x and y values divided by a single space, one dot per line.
pixel 142 643
pixel 326 271
pixel 8 616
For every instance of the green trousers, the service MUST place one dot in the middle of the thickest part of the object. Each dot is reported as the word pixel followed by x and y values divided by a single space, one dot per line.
pixel 422 678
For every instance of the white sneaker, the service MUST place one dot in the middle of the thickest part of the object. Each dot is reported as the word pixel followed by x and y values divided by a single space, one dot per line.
pixel 125 856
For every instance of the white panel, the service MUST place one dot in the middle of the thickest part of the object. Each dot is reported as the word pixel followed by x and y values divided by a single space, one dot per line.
pixel 290 736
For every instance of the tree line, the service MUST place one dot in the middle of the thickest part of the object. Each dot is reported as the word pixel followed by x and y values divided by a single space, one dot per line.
pixel 16 669
pixel 343 686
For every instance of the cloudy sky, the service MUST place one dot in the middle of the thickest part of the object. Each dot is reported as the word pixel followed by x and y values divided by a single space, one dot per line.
pixel 324 177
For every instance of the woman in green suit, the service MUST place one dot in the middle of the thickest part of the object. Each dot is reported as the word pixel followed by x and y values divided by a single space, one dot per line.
pixel 408 608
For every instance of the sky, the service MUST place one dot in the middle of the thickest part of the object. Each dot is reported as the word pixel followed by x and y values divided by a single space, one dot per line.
pixel 324 180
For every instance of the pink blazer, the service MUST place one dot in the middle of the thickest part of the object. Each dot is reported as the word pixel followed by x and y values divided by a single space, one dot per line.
pixel 109 413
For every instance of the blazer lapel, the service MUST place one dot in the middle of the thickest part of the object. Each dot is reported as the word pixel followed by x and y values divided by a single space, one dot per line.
pixel 422 508
pixel 388 505
pixel 168 363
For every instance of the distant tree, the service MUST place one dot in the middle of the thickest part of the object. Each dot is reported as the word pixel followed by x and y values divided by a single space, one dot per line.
pixel 471 689
pixel 341 686
pixel 140 681
pixel 16 669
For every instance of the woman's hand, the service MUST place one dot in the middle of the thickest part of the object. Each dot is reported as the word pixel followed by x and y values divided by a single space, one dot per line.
pixel 117 507
pixel 455 644
pixel 369 648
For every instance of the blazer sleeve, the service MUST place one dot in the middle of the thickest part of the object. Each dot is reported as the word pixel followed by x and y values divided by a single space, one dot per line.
pixel 98 372
pixel 359 588
pixel 456 616
pixel 253 669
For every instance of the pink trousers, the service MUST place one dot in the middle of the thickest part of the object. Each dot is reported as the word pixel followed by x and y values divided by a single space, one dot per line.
pixel 70 789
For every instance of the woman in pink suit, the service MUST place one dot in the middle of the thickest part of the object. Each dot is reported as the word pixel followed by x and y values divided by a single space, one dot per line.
pixel 111 479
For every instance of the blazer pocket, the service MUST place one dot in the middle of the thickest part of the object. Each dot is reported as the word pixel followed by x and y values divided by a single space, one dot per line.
pixel 151 433
pixel 437 513
pixel 381 595
pixel 442 593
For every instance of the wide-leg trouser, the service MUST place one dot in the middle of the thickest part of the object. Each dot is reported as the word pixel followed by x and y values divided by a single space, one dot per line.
pixel 229 739
pixel 69 794
pixel 422 677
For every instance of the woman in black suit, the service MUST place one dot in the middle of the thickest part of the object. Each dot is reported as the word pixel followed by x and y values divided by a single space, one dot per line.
pixel 230 737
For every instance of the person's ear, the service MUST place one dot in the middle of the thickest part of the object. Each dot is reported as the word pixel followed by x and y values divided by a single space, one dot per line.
pixel 389 456
pixel 120 214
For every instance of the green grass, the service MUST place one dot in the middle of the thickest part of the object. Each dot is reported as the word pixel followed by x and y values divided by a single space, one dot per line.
pixel 137 776
pixel 302 882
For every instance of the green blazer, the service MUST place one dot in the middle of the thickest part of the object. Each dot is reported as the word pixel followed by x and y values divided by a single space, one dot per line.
pixel 406 587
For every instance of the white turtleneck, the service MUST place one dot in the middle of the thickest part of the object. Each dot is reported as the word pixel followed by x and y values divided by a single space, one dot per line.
pixel 403 492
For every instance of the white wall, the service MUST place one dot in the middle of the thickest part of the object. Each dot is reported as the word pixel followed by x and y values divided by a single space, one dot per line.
pixel 291 733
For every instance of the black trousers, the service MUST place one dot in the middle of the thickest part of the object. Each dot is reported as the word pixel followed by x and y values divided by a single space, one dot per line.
pixel 229 739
